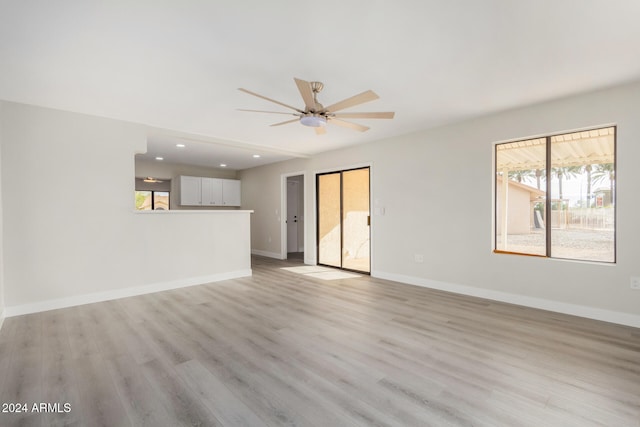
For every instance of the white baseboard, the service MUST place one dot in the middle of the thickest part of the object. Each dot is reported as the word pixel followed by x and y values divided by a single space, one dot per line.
pixel 275 255
pixel 55 304
pixel 1 318
pixel 627 319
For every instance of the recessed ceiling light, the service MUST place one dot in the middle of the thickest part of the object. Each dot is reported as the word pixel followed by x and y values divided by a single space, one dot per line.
pixel 255 156
pixel 223 165
pixel 159 158
pixel 180 145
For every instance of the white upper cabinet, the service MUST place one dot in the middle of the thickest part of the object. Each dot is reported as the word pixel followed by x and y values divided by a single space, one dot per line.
pixel 202 191
pixel 231 192
pixel 190 190
pixel 211 192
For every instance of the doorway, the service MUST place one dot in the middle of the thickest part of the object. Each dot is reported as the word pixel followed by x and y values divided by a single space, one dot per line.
pixel 343 229
pixel 295 217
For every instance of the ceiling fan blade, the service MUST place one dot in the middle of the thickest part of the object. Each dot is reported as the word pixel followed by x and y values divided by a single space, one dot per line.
pixel 269 99
pixel 349 125
pixel 320 130
pixel 378 115
pixel 284 123
pixel 307 93
pixel 361 98
pixel 271 112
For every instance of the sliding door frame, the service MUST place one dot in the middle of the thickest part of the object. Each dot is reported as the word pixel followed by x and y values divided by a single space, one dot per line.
pixel 317 213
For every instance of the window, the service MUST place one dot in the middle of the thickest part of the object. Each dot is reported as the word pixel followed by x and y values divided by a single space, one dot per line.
pixel 152 200
pixel 555 196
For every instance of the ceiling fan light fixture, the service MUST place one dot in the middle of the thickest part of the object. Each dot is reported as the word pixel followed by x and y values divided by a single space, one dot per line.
pixel 313 121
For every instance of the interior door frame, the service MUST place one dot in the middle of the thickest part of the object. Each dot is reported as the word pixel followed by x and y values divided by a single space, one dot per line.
pixel 317 174
pixel 283 212
pixel 293 232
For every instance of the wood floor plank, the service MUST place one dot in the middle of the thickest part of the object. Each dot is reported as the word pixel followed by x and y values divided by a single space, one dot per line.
pixel 183 406
pixel 23 377
pixel 100 404
pixel 283 349
pixel 59 386
pixel 277 402
pixel 81 336
pixel 215 395
pixel 140 400
pixel 362 380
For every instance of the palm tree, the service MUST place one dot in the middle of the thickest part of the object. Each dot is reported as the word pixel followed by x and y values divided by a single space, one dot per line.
pixel 602 173
pixel 540 173
pixel 588 169
pixel 521 175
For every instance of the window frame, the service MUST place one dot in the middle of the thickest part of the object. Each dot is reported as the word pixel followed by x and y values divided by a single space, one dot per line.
pixel 153 201
pixel 548 190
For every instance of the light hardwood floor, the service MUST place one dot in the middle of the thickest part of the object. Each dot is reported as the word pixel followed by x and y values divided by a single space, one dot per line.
pixel 282 349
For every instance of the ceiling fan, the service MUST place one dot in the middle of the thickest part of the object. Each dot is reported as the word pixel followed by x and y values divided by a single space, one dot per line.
pixel 317 116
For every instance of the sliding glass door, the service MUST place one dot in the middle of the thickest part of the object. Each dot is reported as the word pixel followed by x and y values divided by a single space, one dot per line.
pixel 343 219
pixel 329 223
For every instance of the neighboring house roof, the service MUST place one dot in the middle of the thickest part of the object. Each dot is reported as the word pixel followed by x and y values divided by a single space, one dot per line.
pixel 534 192
pixel 601 190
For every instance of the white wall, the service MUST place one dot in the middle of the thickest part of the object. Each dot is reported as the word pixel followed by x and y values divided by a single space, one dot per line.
pixel 70 230
pixel 436 187
pixel 265 200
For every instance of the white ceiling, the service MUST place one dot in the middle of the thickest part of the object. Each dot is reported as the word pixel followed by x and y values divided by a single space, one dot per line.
pixel 207 152
pixel 177 65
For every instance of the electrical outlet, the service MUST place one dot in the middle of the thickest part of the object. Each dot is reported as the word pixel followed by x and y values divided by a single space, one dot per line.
pixel 418 258
pixel 635 283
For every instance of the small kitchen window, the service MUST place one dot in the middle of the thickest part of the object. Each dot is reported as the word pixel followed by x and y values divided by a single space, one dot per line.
pixel 152 200
pixel 152 194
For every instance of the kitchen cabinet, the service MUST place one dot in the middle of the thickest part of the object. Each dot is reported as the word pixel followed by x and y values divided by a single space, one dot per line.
pixel 211 192
pixel 190 190
pixel 203 191
pixel 231 192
